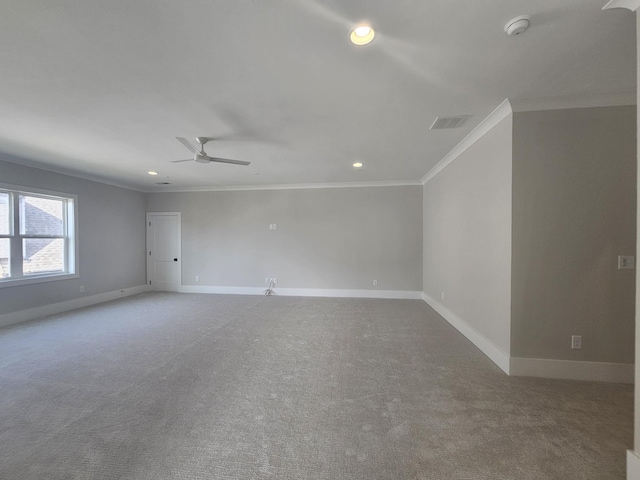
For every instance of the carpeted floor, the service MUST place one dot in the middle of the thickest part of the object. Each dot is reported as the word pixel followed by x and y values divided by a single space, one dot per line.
pixel 181 386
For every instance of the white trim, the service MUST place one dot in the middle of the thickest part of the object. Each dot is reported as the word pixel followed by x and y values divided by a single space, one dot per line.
pixel 486 346
pixel 54 308
pixel 149 247
pixel 566 102
pixel 633 465
pixel 512 105
pixel 293 186
pixel 305 292
pixel 572 370
pixel 221 290
pixel 632 5
pixel 53 277
pixel 37 191
pixel 71 222
pixel 536 367
pixel 501 112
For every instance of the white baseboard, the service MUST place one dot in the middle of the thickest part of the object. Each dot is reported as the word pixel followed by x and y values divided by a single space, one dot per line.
pixel 573 370
pixel 537 367
pixel 633 465
pixel 54 308
pixel 221 290
pixel 486 346
pixel 305 292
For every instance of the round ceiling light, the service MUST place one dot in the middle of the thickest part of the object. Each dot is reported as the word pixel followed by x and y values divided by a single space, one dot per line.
pixel 152 173
pixel 357 165
pixel 362 34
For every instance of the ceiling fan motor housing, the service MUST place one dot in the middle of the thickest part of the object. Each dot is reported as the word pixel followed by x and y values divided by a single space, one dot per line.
pixel 201 158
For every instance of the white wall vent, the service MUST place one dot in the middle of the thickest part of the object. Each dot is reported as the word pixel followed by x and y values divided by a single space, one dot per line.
pixel 449 122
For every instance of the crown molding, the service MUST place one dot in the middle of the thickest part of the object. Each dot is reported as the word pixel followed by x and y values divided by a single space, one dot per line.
pixel 293 186
pixel 518 105
pixel 25 162
pixel 573 101
pixel 501 112
pixel 632 5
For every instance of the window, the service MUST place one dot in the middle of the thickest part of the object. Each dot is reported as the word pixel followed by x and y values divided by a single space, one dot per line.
pixel 37 236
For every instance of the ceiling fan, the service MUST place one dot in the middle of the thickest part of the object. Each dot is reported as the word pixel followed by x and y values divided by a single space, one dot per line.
pixel 200 156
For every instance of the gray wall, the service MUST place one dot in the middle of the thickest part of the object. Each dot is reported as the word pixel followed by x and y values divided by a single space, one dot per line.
pixel 335 238
pixel 111 239
pixel 637 298
pixel 467 235
pixel 574 176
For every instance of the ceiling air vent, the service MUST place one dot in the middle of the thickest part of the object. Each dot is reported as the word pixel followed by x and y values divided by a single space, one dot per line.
pixel 449 122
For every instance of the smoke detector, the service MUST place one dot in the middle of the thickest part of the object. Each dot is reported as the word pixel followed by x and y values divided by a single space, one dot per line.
pixel 518 25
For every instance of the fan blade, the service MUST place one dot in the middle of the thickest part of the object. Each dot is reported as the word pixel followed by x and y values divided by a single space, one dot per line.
pixel 178 161
pixel 226 160
pixel 188 144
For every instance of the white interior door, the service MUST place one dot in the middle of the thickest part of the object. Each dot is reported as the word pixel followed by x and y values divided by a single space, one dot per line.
pixel 164 271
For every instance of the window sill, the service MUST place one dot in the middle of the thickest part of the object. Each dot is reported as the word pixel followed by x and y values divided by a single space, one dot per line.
pixel 39 279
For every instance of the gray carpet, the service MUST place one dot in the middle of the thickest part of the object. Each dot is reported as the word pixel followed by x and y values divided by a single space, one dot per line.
pixel 180 386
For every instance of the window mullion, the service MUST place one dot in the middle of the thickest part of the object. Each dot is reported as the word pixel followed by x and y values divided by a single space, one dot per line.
pixel 41 240
pixel 16 240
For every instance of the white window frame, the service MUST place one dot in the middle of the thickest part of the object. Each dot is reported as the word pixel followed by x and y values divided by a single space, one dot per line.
pixel 70 236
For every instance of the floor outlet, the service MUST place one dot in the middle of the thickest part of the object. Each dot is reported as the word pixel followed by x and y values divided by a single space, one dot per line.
pixel 576 342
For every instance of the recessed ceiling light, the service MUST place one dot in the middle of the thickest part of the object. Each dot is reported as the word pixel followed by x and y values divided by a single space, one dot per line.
pixel 357 165
pixel 362 34
pixel 152 173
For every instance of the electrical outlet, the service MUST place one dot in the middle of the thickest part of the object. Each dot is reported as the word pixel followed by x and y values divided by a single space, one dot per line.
pixel 267 280
pixel 442 296
pixel 197 278
pixel 81 288
pixel 576 342
pixel 275 280
pixel 626 262
pixel 375 283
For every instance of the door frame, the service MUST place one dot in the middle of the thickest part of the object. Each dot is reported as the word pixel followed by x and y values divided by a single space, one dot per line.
pixel 147 246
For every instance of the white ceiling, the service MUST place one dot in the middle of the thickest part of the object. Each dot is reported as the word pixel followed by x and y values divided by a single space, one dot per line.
pixel 102 88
